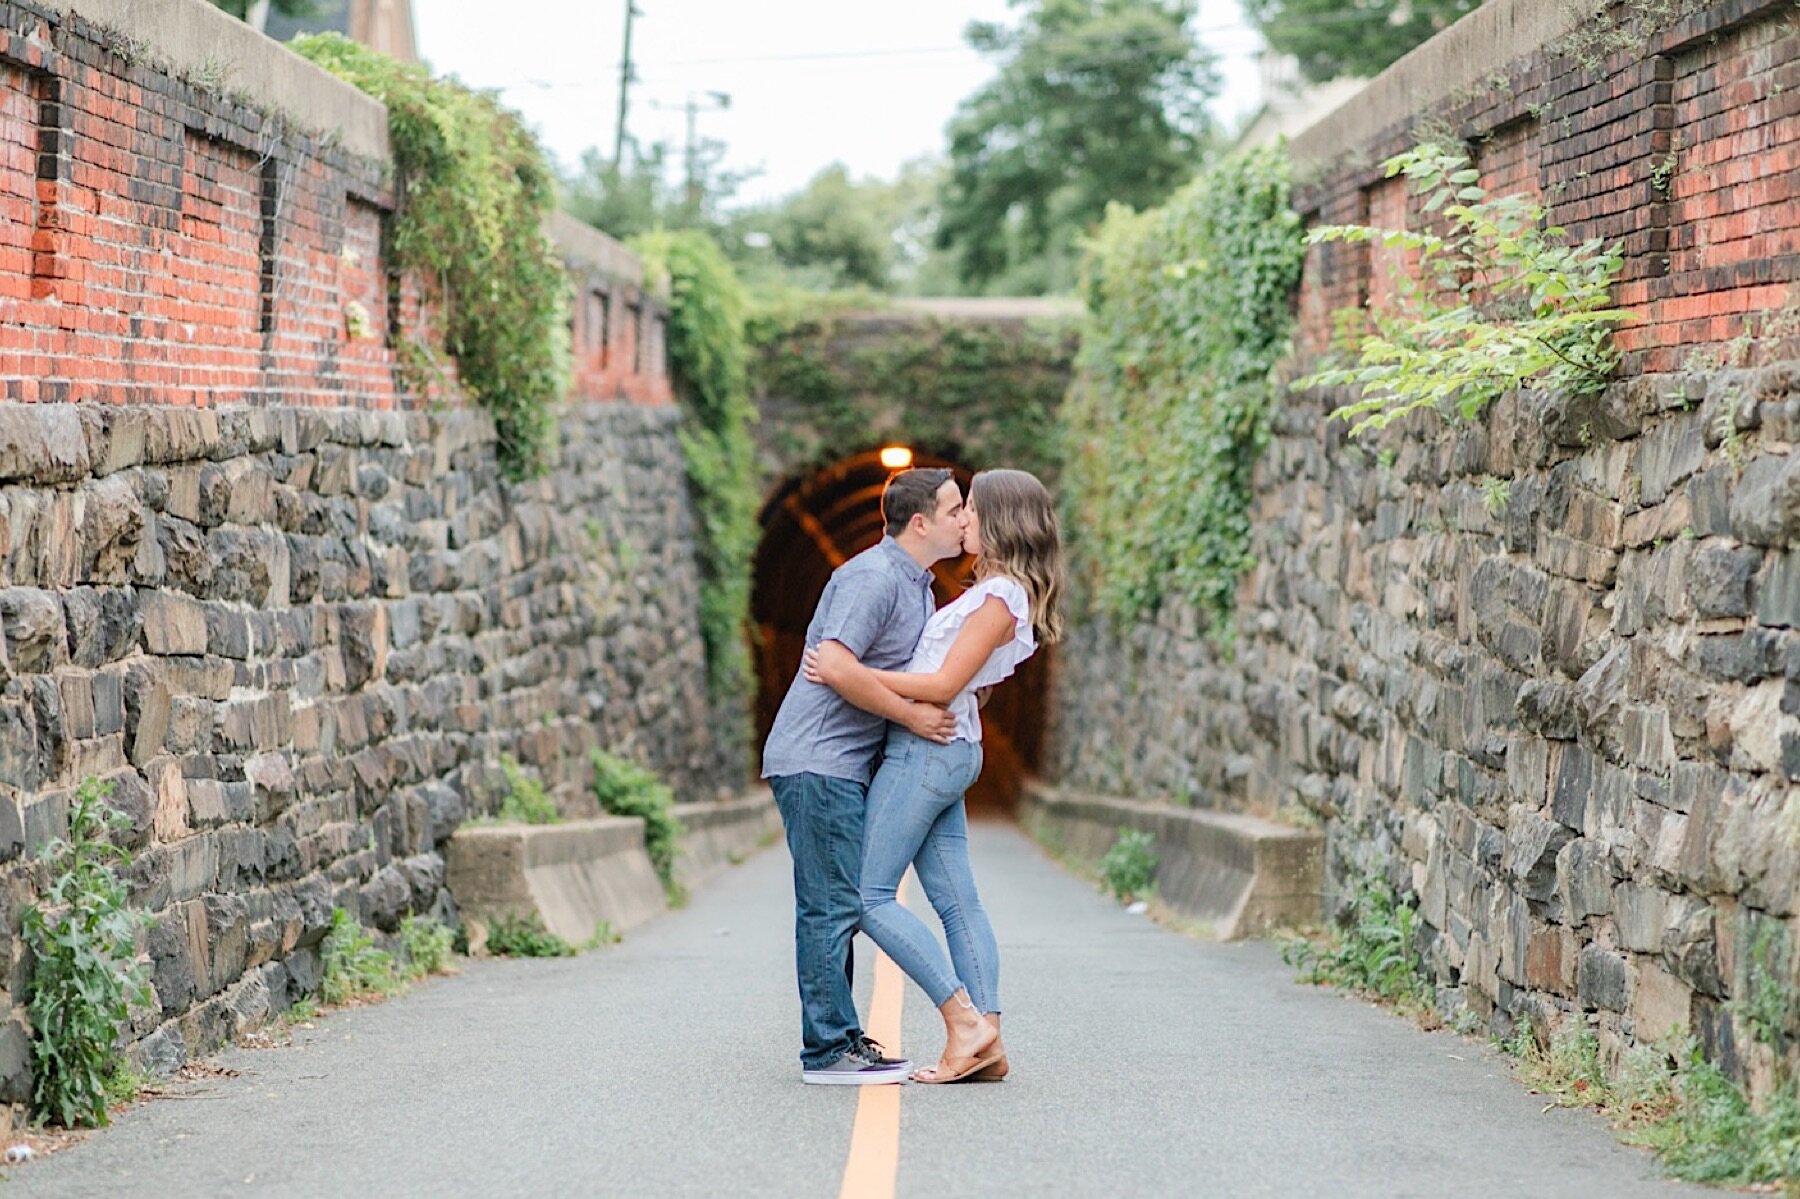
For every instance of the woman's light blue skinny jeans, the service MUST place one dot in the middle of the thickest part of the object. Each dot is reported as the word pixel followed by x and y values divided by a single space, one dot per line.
pixel 916 815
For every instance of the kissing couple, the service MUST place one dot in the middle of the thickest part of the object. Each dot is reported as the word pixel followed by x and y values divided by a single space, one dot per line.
pixel 875 743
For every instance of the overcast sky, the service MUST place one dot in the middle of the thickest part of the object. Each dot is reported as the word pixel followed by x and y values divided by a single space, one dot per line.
pixel 870 83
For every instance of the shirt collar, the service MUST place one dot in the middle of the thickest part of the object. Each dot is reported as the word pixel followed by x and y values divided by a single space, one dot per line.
pixel 914 571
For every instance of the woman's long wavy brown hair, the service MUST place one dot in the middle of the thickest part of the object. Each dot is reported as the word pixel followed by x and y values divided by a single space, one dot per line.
pixel 1019 539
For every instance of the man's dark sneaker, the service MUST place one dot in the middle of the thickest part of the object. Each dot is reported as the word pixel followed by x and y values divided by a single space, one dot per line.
pixel 859 1067
pixel 874 1050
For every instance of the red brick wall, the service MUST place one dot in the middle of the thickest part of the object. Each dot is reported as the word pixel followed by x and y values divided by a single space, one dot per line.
pixel 1711 235
pixel 160 244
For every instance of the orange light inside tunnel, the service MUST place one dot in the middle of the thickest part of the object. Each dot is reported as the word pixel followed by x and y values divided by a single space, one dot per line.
pixel 896 457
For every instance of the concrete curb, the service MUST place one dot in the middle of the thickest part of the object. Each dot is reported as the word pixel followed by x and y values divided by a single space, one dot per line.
pixel 573 876
pixel 716 836
pixel 1241 874
pixel 576 875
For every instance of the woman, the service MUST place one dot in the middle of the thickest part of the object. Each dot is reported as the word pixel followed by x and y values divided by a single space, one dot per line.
pixel 915 808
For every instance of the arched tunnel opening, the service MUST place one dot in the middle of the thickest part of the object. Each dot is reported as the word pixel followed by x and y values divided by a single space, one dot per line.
pixel 814 522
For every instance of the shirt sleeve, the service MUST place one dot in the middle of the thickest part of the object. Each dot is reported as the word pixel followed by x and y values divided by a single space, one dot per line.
pixel 1003 661
pixel 862 605
pixel 1012 594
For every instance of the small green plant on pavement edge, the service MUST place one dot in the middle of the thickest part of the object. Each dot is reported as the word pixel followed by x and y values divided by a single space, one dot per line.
pixel 526 800
pixel 525 937
pixel 1372 950
pixel 624 788
pixel 1128 870
pixel 85 974
pixel 427 946
pixel 355 967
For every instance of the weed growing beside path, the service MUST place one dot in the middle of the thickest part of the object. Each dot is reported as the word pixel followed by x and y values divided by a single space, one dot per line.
pixel 1666 1097
pixel 85 974
pixel 1373 952
pixel 1129 868
pixel 624 788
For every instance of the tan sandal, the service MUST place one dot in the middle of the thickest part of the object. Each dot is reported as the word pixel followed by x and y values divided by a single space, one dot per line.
pixel 991 1054
pixel 929 1074
pixel 996 1072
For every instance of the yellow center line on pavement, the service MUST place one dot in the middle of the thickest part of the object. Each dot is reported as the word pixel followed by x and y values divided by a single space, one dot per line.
pixel 875 1137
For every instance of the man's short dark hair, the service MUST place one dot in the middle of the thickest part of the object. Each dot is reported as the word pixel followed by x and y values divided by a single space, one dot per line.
pixel 909 493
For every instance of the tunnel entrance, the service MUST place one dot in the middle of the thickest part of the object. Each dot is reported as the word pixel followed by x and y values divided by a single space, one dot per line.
pixel 812 524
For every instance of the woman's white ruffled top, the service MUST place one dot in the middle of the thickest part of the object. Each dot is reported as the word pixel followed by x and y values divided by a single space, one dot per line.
pixel 940 633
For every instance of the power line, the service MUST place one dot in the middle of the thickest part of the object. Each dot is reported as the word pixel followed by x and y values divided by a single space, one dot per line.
pixel 1120 47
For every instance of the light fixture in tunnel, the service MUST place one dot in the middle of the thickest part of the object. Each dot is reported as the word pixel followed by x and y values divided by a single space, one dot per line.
pixel 896 457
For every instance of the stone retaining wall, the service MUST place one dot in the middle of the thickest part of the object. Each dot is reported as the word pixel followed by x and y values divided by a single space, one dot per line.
pixel 285 606
pixel 297 642
pixel 1543 670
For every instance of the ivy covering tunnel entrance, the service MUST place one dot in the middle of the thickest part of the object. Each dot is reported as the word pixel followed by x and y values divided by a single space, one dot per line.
pixel 813 523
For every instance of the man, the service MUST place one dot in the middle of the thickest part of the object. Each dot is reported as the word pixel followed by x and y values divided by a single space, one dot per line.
pixel 822 751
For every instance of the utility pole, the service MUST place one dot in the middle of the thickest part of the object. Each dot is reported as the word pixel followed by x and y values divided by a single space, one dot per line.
pixel 694 106
pixel 626 77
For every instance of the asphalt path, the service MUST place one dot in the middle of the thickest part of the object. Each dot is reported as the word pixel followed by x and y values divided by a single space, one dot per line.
pixel 1144 1063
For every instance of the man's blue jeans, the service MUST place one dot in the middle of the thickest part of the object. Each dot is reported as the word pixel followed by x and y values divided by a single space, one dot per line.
pixel 916 816
pixel 823 817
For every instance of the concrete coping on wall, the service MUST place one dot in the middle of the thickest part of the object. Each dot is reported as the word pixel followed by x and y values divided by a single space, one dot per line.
pixel 1239 874
pixel 987 308
pixel 193 39
pixel 716 836
pixel 576 875
pixel 1486 40
pixel 589 247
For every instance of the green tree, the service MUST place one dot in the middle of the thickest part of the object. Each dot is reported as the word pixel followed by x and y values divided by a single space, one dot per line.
pixel 641 196
pixel 1332 39
pixel 840 232
pixel 1096 101
pixel 832 233
pixel 634 200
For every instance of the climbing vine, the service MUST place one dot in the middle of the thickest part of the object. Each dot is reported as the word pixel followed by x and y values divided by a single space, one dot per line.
pixel 707 361
pixel 986 394
pixel 1189 309
pixel 1497 301
pixel 473 191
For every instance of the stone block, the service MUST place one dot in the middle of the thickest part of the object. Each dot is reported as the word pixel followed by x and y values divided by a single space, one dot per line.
pixel 42 444
pixel 363 631
pixel 1719 579
pixel 1532 844
pixel 1600 693
pixel 1778 591
pixel 16 1081
pixel 1550 957
pixel 1640 917
pixel 173 624
pixel 1765 504
pixel 1661 1004
pixel 1603 981
pixel 1572 785
pixel 36 635
pixel 1585 880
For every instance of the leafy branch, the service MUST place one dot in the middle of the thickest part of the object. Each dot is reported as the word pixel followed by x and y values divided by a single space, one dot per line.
pixel 1498 302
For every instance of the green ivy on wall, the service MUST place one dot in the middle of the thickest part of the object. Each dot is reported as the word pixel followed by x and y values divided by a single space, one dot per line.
pixel 984 393
pixel 707 360
pixel 474 189
pixel 1190 306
